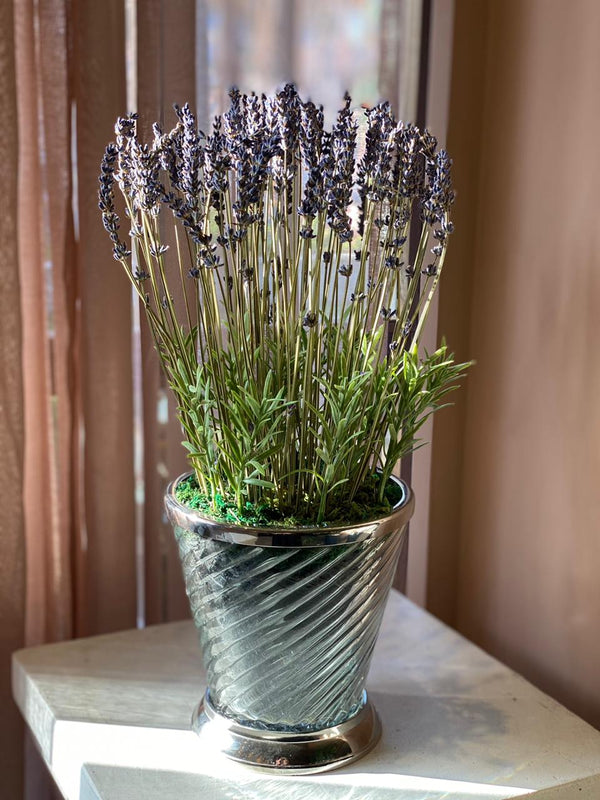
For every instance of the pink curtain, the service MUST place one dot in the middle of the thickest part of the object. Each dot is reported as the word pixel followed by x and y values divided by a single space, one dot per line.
pixel 12 523
pixel 78 551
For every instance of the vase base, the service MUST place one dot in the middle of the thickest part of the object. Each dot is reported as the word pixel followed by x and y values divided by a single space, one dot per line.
pixel 283 751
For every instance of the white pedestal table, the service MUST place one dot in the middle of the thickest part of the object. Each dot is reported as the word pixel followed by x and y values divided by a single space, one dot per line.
pixel 111 717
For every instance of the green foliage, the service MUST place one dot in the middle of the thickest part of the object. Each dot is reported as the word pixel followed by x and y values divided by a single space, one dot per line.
pixel 251 445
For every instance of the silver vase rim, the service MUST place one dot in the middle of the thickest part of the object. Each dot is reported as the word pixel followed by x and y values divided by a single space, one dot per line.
pixel 299 536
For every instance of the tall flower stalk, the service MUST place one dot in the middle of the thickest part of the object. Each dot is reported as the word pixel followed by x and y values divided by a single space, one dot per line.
pixel 272 263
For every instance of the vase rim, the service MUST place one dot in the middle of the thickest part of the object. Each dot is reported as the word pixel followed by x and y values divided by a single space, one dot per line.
pixel 288 536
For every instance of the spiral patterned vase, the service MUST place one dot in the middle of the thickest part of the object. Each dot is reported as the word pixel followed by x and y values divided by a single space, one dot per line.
pixel 288 620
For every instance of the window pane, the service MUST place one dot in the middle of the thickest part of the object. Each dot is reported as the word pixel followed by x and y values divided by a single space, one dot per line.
pixel 326 48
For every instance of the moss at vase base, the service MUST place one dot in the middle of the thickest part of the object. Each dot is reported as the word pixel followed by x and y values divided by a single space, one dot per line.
pixel 361 508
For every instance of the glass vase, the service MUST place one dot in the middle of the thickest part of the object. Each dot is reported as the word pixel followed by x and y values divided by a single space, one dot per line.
pixel 288 619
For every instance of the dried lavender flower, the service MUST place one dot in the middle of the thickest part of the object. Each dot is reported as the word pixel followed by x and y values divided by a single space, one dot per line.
pixel 309 320
pixel 266 317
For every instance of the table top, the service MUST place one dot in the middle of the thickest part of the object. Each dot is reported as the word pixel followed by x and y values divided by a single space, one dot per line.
pixel 111 715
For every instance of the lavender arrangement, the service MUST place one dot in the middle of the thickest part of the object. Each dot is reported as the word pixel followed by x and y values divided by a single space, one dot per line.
pixel 272 263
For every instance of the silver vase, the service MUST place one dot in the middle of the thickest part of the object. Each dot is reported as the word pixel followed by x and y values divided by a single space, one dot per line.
pixel 288 619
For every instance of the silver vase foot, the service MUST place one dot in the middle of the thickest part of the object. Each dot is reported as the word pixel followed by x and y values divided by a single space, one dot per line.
pixel 289 752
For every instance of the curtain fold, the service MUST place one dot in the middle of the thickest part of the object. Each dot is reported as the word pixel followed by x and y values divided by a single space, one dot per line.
pixel 37 497
pixel 107 398
pixel 12 567
pixel 58 257
pixel 165 74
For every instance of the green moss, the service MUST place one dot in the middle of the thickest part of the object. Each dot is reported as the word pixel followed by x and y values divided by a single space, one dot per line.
pixel 363 507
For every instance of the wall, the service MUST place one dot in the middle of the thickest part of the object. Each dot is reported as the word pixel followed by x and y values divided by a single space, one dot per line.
pixel 515 509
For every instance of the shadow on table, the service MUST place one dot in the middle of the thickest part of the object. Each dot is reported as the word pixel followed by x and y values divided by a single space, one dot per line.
pixel 421 723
